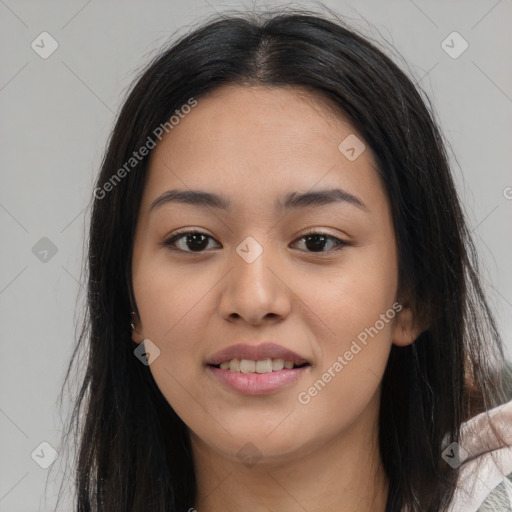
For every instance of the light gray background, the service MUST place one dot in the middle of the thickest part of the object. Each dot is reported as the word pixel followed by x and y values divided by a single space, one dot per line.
pixel 56 114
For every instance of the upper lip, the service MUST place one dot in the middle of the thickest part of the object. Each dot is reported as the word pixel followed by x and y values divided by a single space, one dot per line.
pixel 256 353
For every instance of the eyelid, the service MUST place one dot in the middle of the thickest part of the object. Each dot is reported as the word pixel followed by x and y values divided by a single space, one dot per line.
pixel 318 231
pixel 340 243
pixel 168 242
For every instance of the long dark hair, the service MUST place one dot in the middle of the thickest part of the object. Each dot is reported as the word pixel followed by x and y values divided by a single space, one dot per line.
pixel 133 451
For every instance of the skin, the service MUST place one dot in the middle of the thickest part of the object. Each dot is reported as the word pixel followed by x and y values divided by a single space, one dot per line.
pixel 253 145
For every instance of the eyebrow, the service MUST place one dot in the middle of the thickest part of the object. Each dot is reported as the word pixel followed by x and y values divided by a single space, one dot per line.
pixel 292 200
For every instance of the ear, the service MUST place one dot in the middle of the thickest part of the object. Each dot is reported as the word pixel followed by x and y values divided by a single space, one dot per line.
pixel 137 335
pixel 407 327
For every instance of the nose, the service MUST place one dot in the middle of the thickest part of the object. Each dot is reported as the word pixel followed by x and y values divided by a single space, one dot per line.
pixel 255 292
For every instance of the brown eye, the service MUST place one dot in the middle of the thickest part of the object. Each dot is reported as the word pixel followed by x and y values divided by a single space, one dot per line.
pixel 191 241
pixel 197 242
pixel 316 242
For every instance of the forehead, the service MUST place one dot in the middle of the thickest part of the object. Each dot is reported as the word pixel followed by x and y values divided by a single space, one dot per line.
pixel 237 111
pixel 259 138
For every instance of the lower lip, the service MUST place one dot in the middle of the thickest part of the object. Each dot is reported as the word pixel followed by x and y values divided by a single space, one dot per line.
pixel 257 383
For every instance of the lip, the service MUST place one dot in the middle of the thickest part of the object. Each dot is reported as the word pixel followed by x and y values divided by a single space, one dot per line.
pixel 257 383
pixel 267 350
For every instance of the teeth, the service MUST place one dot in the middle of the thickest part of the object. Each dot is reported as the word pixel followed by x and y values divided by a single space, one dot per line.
pixel 247 366
pixel 277 364
pixel 264 366
pixel 261 366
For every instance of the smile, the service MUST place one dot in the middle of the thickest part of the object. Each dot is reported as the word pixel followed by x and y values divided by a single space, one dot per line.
pixel 260 366
pixel 255 377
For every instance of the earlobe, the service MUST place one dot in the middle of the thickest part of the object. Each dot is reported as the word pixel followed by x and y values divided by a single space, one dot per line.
pixel 407 328
pixel 136 327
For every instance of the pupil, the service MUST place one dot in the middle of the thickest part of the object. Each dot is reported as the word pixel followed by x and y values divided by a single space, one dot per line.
pixel 197 242
pixel 195 239
pixel 319 243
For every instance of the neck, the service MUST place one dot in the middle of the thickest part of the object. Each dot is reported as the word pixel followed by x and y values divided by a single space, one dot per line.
pixel 340 475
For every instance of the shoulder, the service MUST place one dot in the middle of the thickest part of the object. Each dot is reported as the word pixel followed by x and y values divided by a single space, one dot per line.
pixel 500 498
pixel 485 460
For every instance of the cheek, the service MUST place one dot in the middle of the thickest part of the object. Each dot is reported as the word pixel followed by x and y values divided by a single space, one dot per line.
pixel 174 308
pixel 353 357
pixel 356 305
pixel 168 297
pixel 357 294
pixel 171 319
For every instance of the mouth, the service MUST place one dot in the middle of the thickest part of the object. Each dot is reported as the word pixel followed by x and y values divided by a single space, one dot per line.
pixel 261 369
pixel 254 383
pixel 258 366
pixel 263 358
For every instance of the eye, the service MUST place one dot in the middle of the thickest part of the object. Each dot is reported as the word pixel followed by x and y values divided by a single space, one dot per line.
pixel 196 241
pixel 316 241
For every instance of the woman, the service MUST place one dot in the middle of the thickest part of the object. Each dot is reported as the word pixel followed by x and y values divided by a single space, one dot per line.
pixel 276 229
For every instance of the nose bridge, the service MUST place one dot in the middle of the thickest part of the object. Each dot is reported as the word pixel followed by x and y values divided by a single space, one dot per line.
pixel 251 260
pixel 253 290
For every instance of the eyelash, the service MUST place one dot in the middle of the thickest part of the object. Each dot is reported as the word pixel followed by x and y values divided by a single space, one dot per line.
pixel 170 243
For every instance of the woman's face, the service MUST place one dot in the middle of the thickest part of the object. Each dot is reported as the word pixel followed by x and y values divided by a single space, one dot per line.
pixel 253 276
